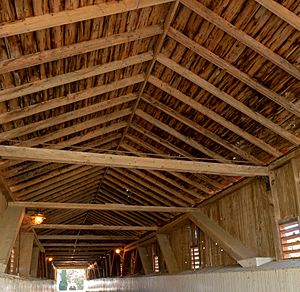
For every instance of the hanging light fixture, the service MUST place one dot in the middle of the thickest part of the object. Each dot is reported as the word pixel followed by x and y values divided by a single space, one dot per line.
pixel 37 218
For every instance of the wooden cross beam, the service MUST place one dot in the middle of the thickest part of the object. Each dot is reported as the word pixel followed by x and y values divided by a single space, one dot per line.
pixel 95 227
pixel 109 160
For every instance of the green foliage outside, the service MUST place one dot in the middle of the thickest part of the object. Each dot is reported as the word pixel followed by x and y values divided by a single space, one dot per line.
pixel 67 277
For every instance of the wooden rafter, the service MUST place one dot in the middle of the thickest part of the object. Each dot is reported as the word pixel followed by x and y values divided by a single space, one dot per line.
pixel 71 16
pixel 244 38
pixel 42 57
pixel 232 70
pixel 282 12
pixel 69 99
pixel 74 76
pixel 228 99
pixel 198 128
pixel 214 116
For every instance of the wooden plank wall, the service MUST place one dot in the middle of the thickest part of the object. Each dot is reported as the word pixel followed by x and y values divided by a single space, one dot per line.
pixel 287 193
pixel 245 214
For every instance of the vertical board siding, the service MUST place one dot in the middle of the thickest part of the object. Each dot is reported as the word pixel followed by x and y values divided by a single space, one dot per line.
pixel 245 214
pixel 286 191
pixel 10 283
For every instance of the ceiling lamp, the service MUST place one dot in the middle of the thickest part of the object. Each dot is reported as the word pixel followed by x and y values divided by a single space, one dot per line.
pixel 37 218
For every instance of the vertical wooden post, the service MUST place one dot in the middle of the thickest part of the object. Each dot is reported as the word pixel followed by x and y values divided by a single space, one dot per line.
pixel 296 176
pixel 167 253
pixel 275 213
pixel 10 222
pixel 26 247
pixel 145 259
pixel 34 261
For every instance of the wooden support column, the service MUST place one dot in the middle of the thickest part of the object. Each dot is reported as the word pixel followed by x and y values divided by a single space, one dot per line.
pixel 296 177
pixel 235 248
pixel 10 222
pixel 145 259
pixel 26 246
pixel 34 261
pixel 167 253
pixel 275 213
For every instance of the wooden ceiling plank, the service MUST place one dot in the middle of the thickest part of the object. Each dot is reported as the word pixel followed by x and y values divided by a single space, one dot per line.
pixel 178 135
pixel 162 176
pixel 282 12
pixel 196 127
pixel 232 70
pixel 54 181
pixel 58 80
pixel 158 47
pixel 113 183
pixel 241 36
pixel 133 186
pixel 69 99
pixel 87 176
pixel 176 150
pixel 45 21
pixel 37 180
pixel 153 191
pixel 157 186
pixel 214 116
pixel 259 118
pixel 33 127
pixel 46 56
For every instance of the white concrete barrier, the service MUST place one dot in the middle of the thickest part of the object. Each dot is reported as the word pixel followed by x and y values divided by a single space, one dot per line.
pixel 9 283
pixel 274 277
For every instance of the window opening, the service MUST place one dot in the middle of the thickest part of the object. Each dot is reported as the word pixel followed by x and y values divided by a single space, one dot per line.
pixel 290 239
